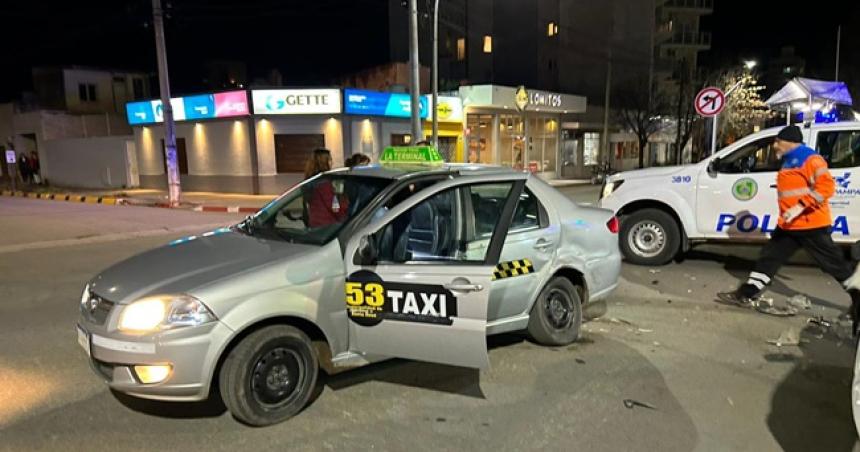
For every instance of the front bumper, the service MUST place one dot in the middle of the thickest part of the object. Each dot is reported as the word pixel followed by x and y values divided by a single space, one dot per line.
pixel 192 352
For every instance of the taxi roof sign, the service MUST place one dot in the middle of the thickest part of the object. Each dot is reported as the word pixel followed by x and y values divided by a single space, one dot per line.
pixel 411 154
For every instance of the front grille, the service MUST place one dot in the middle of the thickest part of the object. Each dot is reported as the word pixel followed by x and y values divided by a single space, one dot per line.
pixel 99 315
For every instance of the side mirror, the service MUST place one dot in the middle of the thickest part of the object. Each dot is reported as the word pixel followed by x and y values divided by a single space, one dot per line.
pixel 367 253
pixel 712 166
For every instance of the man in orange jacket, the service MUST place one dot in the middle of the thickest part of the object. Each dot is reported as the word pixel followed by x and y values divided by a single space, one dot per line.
pixel 804 185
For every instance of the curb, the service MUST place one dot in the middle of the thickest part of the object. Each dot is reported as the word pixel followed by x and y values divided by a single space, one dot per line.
pixel 222 209
pixel 107 200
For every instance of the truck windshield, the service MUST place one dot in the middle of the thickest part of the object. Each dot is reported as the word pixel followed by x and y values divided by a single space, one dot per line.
pixel 315 211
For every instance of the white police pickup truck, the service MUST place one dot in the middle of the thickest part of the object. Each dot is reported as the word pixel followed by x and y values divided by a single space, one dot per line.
pixel 729 196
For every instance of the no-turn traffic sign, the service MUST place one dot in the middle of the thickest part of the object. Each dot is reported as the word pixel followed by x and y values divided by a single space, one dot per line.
pixel 710 101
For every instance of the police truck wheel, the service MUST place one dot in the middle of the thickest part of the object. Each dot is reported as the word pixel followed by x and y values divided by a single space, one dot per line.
pixel 556 316
pixel 269 376
pixel 649 237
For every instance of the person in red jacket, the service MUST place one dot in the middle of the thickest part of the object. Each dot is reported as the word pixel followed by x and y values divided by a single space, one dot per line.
pixel 804 185
pixel 325 205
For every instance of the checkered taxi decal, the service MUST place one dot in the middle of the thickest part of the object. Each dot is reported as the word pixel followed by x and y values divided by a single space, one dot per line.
pixel 513 268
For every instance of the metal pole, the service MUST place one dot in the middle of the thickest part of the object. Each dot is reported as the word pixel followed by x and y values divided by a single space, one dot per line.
pixel 414 84
pixel 715 126
pixel 174 191
pixel 788 115
pixel 436 73
pixel 255 158
pixel 605 135
pixel 838 42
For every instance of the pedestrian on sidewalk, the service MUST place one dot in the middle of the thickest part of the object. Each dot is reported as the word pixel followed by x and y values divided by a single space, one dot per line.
pixel 804 185
pixel 357 159
pixel 34 168
pixel 24 168
pixel 324 204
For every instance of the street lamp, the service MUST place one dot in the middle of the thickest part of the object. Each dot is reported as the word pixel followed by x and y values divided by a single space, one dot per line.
pixel 750 64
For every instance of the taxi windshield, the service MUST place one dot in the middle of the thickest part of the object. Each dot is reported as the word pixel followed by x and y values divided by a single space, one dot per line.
pixel 315 211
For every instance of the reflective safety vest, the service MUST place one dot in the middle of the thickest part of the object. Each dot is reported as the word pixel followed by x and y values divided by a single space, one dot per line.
pixel 805 179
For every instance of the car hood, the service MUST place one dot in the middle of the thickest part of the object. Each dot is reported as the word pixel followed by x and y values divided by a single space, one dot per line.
pixel 650 172
pixel 191 262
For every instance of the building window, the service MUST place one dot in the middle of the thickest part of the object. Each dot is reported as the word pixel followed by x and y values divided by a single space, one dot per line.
pixel 401 139
pixel 87 92
pixel 551 29
pixel 461 49
pixel 488 44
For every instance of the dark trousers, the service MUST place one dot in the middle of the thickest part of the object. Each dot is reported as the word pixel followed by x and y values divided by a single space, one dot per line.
pixel 783 244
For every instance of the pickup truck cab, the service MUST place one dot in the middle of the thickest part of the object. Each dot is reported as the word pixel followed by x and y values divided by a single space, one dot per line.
pixel 729 196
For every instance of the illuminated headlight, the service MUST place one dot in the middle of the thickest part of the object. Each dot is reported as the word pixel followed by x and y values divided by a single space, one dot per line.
pixel 609 187
pixel 163 312
pixel 85 296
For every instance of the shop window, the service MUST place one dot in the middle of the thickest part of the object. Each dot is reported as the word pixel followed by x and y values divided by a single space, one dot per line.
pixel 181 156
pixel 552 29
pixel 293 150
pixel 461 49
pixel 488 44
pixel 590 148
pixel 401 139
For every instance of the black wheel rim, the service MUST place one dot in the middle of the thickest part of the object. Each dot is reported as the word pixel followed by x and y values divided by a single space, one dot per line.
pixel 277 376
pixel 559 309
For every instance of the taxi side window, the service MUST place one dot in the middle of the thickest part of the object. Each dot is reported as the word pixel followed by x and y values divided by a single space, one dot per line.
pixel 756 157
pixel 527 214
pixel 840 148
pixel 451 226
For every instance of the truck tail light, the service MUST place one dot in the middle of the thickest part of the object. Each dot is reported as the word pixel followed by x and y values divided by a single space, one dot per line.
pixel 613 225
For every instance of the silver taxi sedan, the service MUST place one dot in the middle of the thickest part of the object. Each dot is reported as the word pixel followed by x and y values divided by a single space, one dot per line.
pixel 348 268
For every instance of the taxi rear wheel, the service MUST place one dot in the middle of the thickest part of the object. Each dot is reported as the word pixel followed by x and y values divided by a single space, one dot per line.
pixel 556 317
pixel 649 237
pixel 269 376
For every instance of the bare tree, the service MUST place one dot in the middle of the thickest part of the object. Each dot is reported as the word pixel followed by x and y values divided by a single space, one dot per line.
pixel 685 114
pixel 639 114
pixel 745 108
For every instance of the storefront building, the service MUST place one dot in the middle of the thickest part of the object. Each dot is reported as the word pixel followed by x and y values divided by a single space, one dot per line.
pixel 375 120
pixel 239 141
pixel 516 127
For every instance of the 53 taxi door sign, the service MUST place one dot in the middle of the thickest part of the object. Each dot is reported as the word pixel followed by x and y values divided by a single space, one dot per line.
pixel 370 300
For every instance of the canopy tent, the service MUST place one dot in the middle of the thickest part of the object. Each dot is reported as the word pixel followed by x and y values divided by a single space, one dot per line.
pixel 812 93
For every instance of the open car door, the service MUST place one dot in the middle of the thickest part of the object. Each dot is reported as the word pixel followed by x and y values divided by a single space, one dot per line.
pixel 418 278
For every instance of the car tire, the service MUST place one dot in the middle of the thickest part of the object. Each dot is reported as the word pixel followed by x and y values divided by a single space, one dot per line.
pixel 556 316
pixel 649 237
pixel 269 376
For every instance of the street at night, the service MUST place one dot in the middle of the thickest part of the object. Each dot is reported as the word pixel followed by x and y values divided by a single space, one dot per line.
pixel 704 373
pixel 430 225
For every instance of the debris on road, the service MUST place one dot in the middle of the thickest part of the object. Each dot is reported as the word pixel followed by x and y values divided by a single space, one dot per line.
pixel 819 321
pixel 643 330
pixel 630 404
pixel 731 402
pixel 789 337
pixel 653 271
pixel 799 301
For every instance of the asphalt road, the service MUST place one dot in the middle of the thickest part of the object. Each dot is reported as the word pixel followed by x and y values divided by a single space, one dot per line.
pixel 706 374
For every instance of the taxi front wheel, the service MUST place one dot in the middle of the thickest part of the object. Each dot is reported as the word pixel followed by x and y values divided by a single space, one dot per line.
pixel 269 376
pixel 556 316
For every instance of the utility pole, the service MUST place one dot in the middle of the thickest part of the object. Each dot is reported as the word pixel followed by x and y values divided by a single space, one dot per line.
pixel 414 83
pixel 838 42
pixel 605 135
pixel 436 74
pixel 174 190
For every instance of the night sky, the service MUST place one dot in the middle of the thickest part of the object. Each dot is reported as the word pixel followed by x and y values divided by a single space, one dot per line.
pixel 313 42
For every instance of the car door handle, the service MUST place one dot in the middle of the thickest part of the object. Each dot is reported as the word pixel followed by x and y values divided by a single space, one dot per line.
pixel 464 287
pixel 772 185
pixel 542 244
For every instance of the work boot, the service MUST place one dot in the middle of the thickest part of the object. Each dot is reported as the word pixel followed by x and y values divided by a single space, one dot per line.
pixel 853 281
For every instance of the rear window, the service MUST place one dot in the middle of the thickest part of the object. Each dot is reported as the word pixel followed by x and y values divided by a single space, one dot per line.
pixel 841 148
